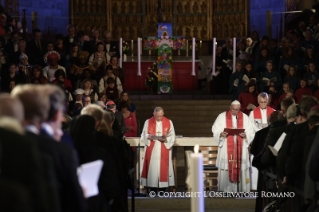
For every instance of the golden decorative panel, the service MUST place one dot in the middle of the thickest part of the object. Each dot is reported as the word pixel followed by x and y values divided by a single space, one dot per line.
pixel 203 19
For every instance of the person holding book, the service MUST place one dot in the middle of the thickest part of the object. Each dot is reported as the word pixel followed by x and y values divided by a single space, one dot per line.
pixel 292 78
pixel 233 168
pixel 270 77
pixel 303 90
pixel 158 136
pixel 260 114
pixel 311 75
pixel 248 99
pixel 235 80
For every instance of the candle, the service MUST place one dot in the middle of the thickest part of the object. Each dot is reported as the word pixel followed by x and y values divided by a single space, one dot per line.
pixel 139 57
pixel 121 50
pixel 141 45
pixel 214 57
pixel 234 55
pixel 193 57
pixel 187 48
pixel 150 52
pixel 132 47
pixel 197 184
pixel 200 47
pixel 179 52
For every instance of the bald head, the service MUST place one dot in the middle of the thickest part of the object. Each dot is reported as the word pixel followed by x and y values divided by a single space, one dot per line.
pixel 11 107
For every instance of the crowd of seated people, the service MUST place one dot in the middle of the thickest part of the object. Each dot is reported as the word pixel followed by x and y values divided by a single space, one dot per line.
pixel 77 63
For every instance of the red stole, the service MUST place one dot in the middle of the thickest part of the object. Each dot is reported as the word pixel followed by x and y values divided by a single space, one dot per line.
pixel 232 147
pixel 164 151
pixel 257 113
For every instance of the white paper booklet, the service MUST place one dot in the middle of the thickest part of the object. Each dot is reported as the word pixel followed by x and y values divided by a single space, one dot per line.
pixel 278 144
pixel 89 175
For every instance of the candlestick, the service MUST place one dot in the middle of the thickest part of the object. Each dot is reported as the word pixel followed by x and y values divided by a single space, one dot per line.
pixel 187 48
pixel 197 185
pixel 234 55
pixel 214 57
pixel 139 57
pixel 121 51
pixel 132 47
pixel 193 57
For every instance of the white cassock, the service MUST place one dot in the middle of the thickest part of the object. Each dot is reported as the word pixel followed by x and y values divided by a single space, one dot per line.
pixel 224 183
pixel 154 166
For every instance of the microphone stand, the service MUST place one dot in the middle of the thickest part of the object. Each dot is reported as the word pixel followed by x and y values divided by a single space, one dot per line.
pixel 237 155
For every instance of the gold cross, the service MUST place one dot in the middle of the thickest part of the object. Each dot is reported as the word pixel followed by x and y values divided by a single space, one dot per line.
pixel 231 160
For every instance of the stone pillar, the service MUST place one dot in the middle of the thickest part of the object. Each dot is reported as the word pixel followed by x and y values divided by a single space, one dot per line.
pixel 269 23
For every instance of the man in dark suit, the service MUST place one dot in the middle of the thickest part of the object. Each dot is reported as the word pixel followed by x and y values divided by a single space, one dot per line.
pixel 95 39
pixel 83 44
pixel 110 47
pixel 38 106
pixel 70 38
pixel 12 45
pixel 38 48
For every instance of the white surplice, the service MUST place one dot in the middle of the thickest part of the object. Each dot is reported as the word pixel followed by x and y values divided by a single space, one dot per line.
pixel 154 167
pixel 254 171
pixel 224 183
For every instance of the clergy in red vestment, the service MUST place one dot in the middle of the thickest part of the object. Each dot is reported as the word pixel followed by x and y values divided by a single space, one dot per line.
pixel 302 90
pixel 158 136
pixel 248 97
pixel 227 156
pixel 260 114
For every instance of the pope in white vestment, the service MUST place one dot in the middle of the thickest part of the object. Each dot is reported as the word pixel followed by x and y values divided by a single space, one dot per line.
pixel 157 169
pixel 227 158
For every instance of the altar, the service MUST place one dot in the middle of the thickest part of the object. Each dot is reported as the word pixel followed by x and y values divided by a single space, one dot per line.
pixel 181 76
pixel 179 142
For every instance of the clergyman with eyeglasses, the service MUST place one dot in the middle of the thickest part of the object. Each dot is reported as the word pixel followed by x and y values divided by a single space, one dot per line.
pixel 260 114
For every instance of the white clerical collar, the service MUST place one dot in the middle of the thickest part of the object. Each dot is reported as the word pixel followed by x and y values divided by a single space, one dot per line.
pixel 263 109
pixel 32 129
pixel 48 129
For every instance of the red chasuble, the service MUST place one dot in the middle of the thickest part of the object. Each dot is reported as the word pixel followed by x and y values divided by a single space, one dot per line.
pixel 232 147
pixel 164 151
pixel 257 113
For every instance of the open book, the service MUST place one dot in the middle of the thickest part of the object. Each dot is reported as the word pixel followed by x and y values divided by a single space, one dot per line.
pixel 89 175
pixel 234 131
pixel 229 64
pixel 161 136
pixel 245 78
pixel 253 79
pixel 269 80
pixel 236 82
pixel 275 149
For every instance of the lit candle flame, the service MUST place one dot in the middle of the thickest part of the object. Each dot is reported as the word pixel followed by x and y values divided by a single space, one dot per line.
pixel 196 148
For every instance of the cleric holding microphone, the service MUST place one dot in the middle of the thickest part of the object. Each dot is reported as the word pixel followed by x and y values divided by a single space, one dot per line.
pixel 227 152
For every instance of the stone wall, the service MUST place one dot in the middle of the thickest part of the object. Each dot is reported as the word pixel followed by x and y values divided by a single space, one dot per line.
pixel 53 13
